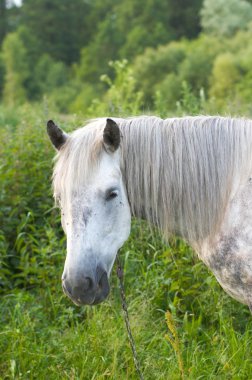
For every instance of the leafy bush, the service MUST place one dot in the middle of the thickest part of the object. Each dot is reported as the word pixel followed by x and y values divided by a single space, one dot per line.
pixel 218 19
pixel 226 75
pixel 121 97
pixel 28 240
pixel 16 69
pixel 40 327
pixel 155 65
pixel 49 74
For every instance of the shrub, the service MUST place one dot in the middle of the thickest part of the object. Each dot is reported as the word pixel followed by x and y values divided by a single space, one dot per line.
pixel 226 75
pixel 219 19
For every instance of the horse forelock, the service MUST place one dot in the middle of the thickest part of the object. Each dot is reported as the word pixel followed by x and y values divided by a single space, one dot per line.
pixel 76 161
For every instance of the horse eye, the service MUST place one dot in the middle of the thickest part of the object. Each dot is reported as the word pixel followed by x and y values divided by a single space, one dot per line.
pixel 111 194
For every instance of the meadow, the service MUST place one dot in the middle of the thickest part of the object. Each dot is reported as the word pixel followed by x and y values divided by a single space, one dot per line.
pixel 116 58
pixel 44 336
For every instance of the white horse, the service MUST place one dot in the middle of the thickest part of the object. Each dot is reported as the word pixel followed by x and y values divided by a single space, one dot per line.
pixel 188 176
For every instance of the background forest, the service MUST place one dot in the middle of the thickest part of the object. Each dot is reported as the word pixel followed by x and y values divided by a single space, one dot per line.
pixel 63 51
pixel 80 59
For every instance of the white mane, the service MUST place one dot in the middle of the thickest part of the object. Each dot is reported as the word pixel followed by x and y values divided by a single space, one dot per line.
pixel 179 173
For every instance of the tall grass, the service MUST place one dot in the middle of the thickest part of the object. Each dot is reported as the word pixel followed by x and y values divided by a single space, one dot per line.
pixel 44 336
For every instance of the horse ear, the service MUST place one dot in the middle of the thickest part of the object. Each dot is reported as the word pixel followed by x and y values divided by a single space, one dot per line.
pixel 111 136
pixel 57 136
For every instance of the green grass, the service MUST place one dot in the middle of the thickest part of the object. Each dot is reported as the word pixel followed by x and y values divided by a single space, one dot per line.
pixel 44 336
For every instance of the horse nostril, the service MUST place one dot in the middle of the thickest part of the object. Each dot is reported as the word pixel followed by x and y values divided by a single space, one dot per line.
pixel 87 283
pixel 87 290
pixel 101 276
pixel 102 280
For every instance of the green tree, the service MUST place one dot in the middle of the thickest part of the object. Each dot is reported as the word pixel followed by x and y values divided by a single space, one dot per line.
pixel 155 66
pixel 167 94
pixel 197 66
pixel 124 29
pixel 243 86
pixel 104 47
pixel 16 69
pixel 33 55
pixel 184 18
pixel 144 24
pixel 221 18
pixel 60 26
pixel 226 75
pixel 163 70
pixel 2 75
pixel 49 74
pixel 3 18
pixel 121 98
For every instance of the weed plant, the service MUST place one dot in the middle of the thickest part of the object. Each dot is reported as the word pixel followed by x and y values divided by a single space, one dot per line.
pixel 44 336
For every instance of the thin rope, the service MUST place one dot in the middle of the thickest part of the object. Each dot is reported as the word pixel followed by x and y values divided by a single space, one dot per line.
pixel 119 271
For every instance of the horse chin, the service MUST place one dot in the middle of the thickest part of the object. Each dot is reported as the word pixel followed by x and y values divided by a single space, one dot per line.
pixel 91 301
pixel 95 302
pixel 98 300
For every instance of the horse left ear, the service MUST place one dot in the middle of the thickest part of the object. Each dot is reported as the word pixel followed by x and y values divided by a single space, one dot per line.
pixel 57 136
pixel 111 136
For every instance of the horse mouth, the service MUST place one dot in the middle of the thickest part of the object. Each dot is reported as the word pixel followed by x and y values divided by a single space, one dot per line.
pixel 99 297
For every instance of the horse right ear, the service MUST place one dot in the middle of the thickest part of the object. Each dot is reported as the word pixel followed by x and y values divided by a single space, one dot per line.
pixel 111 136
pixel 57 136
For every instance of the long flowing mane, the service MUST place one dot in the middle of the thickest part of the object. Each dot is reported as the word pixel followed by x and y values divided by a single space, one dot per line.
pixel 180 173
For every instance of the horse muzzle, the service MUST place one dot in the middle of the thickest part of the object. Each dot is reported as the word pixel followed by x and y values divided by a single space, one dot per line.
pixel 87 290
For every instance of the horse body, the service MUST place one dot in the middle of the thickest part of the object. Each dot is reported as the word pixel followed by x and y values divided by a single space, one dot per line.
pixel 229 253
pixel 188 176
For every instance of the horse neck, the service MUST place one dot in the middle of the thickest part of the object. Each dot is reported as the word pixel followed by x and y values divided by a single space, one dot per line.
pixel 180 173
pixel 142 168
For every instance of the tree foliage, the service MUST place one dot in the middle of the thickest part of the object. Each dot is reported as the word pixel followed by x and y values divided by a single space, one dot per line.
pixel 221 18
pixel 3 18
pixel 16 69
pixel 129 27
pixel 64 48
pixel 225 75
pixel 59 26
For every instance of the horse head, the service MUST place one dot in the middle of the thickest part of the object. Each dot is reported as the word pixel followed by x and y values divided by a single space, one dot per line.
pixel 95 212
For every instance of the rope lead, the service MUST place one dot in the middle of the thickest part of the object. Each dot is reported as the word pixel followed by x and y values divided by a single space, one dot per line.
pixel 119 271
